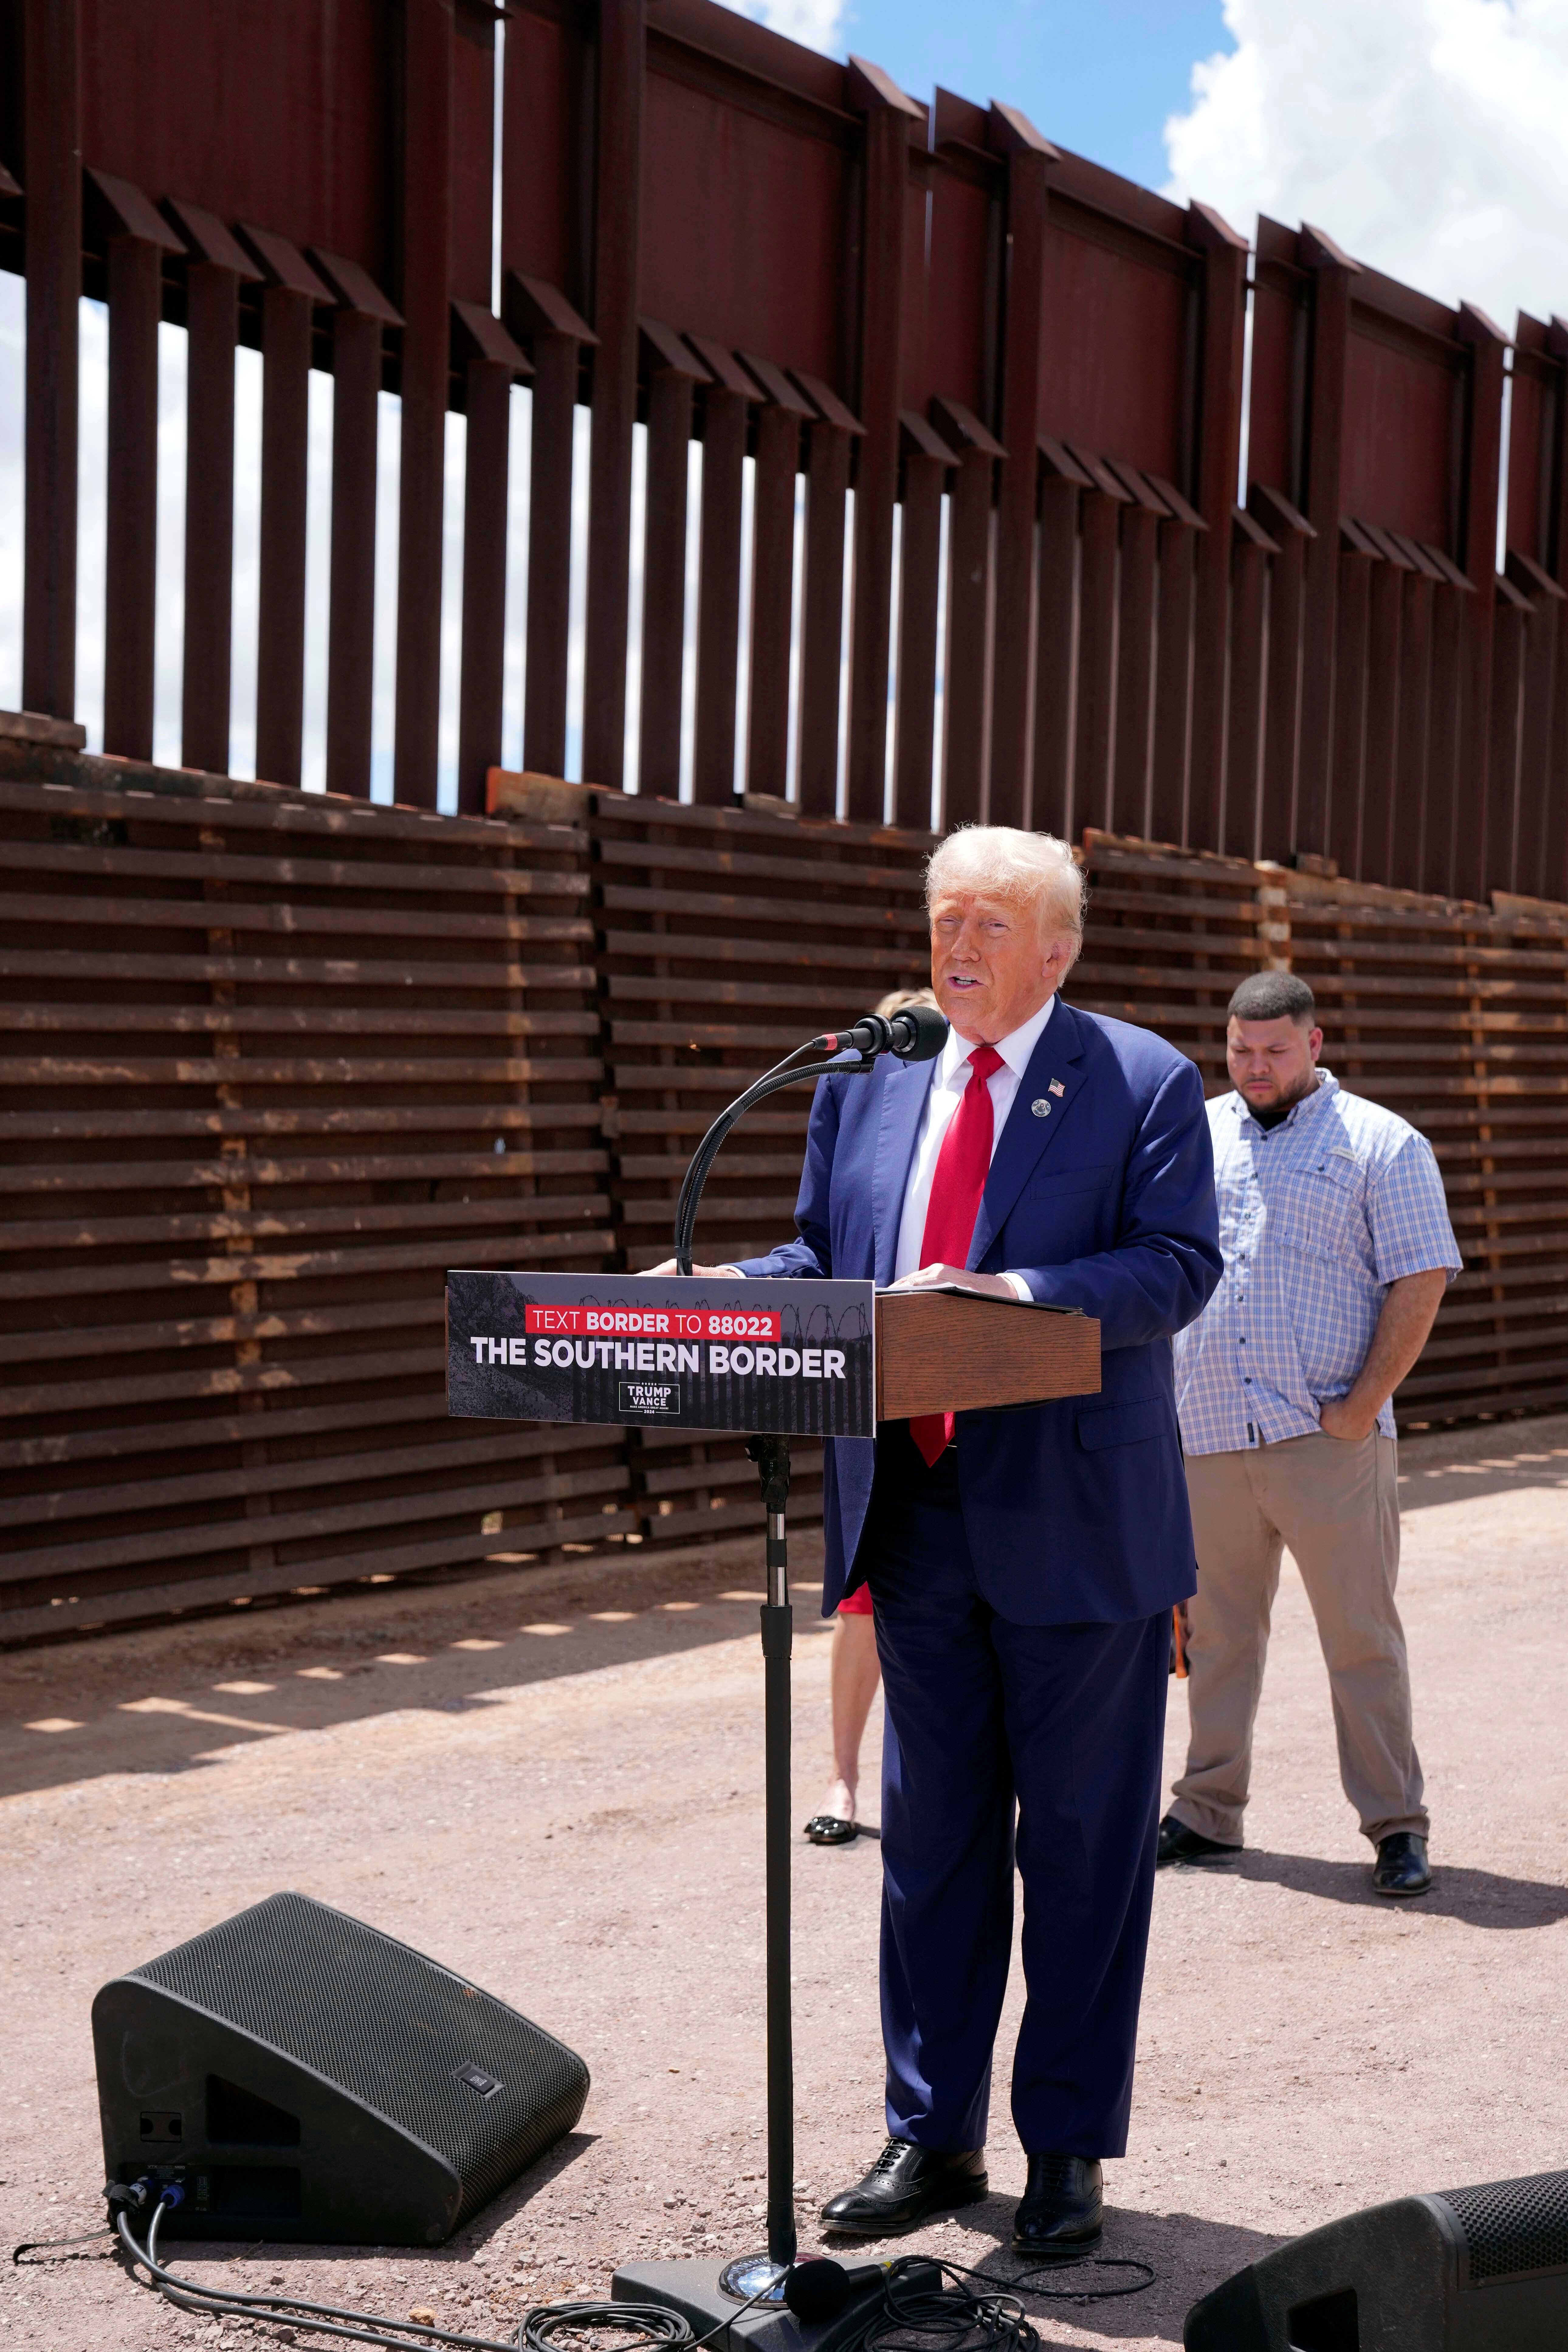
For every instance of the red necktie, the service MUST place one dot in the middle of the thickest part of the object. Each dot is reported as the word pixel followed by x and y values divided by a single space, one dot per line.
pixel 962 1167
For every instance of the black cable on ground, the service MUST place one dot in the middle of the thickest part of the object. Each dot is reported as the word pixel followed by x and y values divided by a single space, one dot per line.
pixel 1056 2269
pixel 551 2328
pixel 910 2312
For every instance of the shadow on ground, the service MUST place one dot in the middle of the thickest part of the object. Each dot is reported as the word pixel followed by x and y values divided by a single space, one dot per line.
pixel 1187 2255
pixel 1480 1897
pixel 173 1699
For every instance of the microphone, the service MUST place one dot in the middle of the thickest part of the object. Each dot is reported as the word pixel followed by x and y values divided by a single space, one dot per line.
pixel 821 2290
pixel 916 1034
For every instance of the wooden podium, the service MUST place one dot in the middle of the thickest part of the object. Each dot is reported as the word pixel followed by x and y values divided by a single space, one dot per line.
pixel 948 1351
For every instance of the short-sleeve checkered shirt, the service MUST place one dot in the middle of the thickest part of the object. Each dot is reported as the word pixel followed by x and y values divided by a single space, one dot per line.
pixel 1317 1216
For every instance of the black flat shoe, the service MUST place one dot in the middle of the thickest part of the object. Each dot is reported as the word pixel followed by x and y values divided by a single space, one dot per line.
pixel 827 1829
pixel 1401 1867
pixel 1060 2213
pixel 904 2186
pixel 1179 1843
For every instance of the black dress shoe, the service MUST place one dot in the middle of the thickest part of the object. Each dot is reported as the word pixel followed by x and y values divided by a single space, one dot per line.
pixel 831 1829
pixel 1179 1843
pixel 1401 1867
pixel 905 2185
pixel 1060 2213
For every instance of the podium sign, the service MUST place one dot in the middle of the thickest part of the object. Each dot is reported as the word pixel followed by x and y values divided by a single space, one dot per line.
pixel 795 1358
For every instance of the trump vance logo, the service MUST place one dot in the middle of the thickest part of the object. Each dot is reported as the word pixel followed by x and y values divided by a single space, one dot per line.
pixel 649 1397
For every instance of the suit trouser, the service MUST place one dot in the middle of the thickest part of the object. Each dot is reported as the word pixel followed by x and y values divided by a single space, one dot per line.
pixel 1067 1722
pixel 1337 1506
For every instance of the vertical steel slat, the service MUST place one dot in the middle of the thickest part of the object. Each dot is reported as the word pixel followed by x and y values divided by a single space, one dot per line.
pixel 773 582
pixel 350 625
pixel 212 321
pixel 1442 770
pixel 424 214
pixel 1383 721
pixel 1056 602
pixel 1282 699
pixel 284 448
pixel 1353 603
pixel 1029 158
pixel 822 617
pixel 616 168
pixel 216 266
pixel 1242 809
pixel 669 408
pixel 886 180
pixel 1097 660
pixel 719 593
pixel 131 520
pixel 51 114
pixel 1174 683
pixel 549 552
pixel 1540 692
pixel 1406 858
pixel 1130 788
pixel 1321 497
pixel 1480 471
pixel 916 714
pixel 1554 779
pixel 490 383
pixel 1218 455
pixel 968 596
pixel 1511 626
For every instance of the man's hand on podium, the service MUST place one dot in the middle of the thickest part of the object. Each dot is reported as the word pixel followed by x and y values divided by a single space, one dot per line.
pixel 666 1265
pixel 988 1285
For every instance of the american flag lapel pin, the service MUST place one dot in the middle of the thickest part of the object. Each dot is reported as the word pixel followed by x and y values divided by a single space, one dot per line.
pixel 1055 1088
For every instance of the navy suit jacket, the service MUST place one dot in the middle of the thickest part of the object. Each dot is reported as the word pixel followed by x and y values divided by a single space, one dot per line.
pixel 1076 1511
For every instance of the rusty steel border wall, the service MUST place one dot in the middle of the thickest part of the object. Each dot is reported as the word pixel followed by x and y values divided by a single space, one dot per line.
pixel 272 1061
pixel 708 230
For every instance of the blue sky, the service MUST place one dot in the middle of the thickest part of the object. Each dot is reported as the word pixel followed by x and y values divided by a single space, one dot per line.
pixel 1101 76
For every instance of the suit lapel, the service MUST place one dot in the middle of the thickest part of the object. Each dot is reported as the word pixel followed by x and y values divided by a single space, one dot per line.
pixel 904 1093
pixel 1056 1061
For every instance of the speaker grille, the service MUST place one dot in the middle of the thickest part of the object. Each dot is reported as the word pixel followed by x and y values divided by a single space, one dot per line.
pixel 1513 2226
pixel 392 2028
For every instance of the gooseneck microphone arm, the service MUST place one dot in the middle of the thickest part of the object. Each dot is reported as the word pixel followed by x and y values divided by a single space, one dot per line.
pixel 916 1034
pixel 787 1074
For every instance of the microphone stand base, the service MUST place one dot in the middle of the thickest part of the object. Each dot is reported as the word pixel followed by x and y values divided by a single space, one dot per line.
pixel 702 2293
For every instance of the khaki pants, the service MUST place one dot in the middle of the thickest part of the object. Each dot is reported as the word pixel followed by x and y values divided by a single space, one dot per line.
pixel 1337 1506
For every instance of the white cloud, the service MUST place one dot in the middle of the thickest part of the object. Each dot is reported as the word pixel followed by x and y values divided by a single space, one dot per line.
pixel 1425 136
pixel 819 24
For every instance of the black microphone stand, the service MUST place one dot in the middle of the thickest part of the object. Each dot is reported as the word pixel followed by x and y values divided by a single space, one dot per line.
pixel 757 2280
pixel 760 2277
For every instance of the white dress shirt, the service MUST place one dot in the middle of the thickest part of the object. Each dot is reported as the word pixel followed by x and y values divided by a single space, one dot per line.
pixel 951 1075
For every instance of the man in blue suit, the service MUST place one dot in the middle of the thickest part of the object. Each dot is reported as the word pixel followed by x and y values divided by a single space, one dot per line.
pixel 1024 1563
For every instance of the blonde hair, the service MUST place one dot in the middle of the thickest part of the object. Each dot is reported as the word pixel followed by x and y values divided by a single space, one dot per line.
pixel 898 1000
pixel 1034 868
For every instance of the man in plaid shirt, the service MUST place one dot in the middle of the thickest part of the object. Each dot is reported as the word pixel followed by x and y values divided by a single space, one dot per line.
pixel 1338 1250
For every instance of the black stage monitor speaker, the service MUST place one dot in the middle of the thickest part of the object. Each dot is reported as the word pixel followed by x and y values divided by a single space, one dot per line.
pixel 309 2080
pixel 1474 2270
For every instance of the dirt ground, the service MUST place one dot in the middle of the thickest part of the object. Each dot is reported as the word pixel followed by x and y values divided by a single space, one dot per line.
pixel 553 1782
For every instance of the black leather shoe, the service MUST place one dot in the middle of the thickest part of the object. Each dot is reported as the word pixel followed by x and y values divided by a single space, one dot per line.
pixel 904 2187
pixel 1179 1843
pixel 1401 1867
pixel 1060 2212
